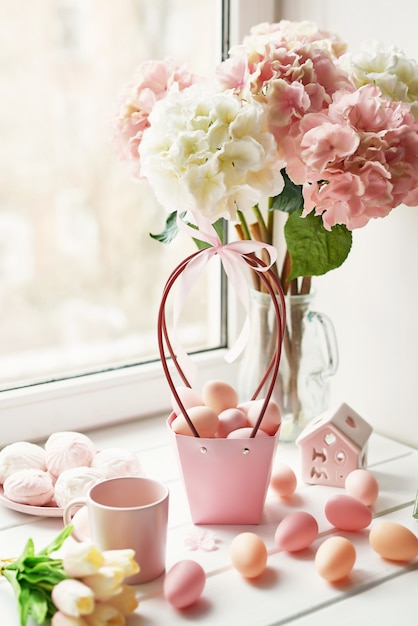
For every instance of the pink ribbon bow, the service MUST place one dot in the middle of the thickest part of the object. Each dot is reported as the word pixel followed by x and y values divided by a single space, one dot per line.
pixel 231 255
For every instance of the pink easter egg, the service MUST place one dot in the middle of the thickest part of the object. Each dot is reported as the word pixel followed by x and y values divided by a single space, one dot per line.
pixel 188 396
pixel 244 406
pixel 184 583
pixel 272 417
pixel 230 420
pixel 361 484
pixel 296 531
pixel 347 513
pixel 245 433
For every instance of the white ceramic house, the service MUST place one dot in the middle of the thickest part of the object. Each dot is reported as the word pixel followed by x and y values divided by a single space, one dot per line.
pixel 333 445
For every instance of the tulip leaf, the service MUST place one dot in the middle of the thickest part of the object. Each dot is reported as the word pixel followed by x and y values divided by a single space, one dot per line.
pixel 33 576
pixel 313 249
pixel 58 542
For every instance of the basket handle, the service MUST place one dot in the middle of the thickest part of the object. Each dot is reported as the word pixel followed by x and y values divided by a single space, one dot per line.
pixel 274 288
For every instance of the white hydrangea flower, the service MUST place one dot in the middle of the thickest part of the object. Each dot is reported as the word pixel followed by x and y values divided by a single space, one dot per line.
pixel 210 152
pixel 389 68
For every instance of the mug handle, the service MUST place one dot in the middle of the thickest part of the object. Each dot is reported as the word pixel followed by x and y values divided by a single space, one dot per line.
pixel 68 517
pixel 328 331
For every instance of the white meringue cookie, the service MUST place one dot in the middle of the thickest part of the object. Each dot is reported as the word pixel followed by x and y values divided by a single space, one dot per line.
pixel 75 483
pixel 65 450
pixel 21 455
pixel 114 462
pixel 29 486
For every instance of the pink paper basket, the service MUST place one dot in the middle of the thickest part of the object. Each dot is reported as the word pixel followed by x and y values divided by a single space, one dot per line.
pixel 226 480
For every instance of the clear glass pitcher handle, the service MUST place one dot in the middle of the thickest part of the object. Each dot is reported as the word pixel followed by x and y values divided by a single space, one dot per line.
pixel 328 332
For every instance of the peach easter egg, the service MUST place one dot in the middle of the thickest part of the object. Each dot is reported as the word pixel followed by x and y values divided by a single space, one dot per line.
pixel 248 554
pixel 283 480
pixel 204 419
pixel 219 395
pixel 335 558
pixel 393 541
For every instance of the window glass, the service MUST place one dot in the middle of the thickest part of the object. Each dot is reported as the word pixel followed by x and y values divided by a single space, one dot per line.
pixel 80 277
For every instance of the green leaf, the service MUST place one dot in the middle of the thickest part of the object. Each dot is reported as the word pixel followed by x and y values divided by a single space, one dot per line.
pixel 48 575
pixel 58 542
pixel 219 226
pixel 313 249
pixel 170 231
pixel 37 605
pixel 290 199
pixel 12 576
pixel 33 576
pixel 24 605
pixel 28 550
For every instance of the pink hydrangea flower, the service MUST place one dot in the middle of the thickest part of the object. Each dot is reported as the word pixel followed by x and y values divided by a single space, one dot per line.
pixel 151 83
pixel 356 160
pixel 289 67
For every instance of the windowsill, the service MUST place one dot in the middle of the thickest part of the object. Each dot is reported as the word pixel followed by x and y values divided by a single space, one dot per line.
pixel 96 400
pixel 290 591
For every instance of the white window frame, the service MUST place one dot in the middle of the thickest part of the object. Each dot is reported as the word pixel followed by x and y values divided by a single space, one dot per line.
pixel 100 399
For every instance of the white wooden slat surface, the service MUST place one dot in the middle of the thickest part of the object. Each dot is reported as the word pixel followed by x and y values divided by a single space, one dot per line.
pixel 290 590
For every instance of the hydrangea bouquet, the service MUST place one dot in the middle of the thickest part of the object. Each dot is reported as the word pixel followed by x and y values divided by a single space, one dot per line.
pixel 289 122
pixel 294 142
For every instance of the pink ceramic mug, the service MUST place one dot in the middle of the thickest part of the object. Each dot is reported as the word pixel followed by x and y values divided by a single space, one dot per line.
pixel 127 512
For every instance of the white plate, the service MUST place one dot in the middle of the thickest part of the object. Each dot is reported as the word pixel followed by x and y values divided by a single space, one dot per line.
pixel 44 511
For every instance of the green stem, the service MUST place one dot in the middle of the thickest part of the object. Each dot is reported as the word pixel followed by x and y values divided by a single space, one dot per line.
pixel 262 225
pixel 270 224
pixel 244 225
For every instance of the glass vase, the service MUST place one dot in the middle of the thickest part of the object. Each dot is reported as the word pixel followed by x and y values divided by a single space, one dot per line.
pixel 309 359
